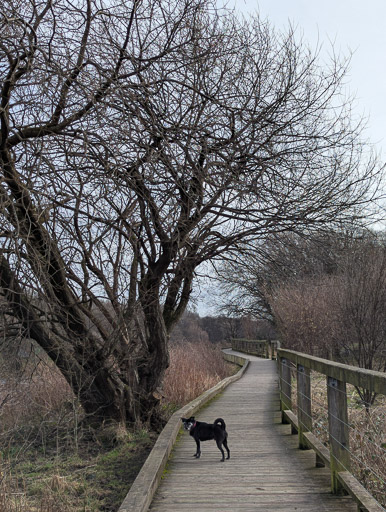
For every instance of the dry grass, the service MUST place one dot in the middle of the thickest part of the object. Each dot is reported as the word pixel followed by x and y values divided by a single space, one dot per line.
pixel 367 433
pixel 34 398
pixel 54 497
pixel 194 368
pixel 50 462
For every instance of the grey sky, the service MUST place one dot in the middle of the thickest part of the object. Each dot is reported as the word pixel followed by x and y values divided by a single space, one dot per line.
pixel 353 25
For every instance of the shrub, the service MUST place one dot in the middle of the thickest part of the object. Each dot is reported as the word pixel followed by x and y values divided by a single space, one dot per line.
pixel 194 368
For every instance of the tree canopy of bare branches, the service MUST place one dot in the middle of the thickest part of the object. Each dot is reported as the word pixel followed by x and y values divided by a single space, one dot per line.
pixel 140 139
pixel 339 314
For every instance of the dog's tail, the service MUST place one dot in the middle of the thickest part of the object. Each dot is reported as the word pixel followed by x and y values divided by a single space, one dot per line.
pixel 220 422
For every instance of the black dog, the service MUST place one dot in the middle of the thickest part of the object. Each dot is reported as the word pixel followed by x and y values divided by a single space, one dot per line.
pixel 205 431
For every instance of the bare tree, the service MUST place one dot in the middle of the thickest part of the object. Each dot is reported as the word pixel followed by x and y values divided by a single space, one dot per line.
pixel 140 139
pixel 359 301
pixel 304 315
pixel 247 281
pixel 341 314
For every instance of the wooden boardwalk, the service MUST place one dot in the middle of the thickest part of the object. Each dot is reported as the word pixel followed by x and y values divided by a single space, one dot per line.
pixel 266 472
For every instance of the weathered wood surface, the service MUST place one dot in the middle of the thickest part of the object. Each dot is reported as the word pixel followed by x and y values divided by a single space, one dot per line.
pixel 338 430
pixel 361 377
pixel 304 404
pixel 266 471
pixel 140 495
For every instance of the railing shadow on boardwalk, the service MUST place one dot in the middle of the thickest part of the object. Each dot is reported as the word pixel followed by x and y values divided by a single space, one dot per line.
pixel 144 487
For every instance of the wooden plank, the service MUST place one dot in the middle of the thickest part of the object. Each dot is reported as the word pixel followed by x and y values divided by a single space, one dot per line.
pixel 365 501
pixel 322 452
pixel 338 430
pixel 266 471
pixel 368 379
pixel 232 358
pixel 292 419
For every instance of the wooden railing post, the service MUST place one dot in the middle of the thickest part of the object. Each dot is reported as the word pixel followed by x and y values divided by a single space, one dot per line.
pixel 304 404
pixel 285 387
pixel 338 456
pixel 338 429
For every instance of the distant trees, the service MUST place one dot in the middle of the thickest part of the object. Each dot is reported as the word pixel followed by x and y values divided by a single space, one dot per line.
pixel 326 294
pixel 247 281
pixel 218 329
pixel 138 140
pixel 189 328
pixel 340 316
pixel 360 302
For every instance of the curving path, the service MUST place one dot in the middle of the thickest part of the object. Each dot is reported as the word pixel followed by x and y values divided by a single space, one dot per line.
pixel 266 472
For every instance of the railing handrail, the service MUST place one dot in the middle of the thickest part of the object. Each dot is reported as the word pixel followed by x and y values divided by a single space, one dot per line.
pixel 338 457
pixel 360 377
pixel 259 348
pixel 251 340
pixel 337 375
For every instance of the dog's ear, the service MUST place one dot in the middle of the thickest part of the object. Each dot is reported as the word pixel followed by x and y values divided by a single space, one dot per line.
pixel 184 419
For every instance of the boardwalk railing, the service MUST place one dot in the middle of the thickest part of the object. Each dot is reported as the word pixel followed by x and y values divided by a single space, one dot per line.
pixel 338 457
pixel 259 348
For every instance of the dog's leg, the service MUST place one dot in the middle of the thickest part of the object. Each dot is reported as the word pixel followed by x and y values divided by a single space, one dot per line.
pixel 198 451
pixel 225 443
pixel 221 450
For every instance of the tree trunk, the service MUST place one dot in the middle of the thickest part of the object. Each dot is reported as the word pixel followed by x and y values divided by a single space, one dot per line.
pixel 122 386
pixel 113 383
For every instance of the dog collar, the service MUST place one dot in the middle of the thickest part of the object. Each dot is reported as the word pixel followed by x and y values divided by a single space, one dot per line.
pixel 194 424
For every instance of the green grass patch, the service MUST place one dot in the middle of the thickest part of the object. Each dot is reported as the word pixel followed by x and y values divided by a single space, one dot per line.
pixel 94 477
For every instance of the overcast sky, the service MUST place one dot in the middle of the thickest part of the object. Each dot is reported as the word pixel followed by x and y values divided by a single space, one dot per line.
pixel 353 25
